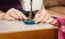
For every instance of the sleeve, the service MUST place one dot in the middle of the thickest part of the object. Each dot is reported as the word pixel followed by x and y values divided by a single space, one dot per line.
pixel 6 5
pixel 61 23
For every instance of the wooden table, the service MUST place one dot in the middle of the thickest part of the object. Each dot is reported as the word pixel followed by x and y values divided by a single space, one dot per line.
pixel 19 30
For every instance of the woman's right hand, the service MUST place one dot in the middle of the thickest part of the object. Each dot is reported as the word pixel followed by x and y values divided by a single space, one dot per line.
pixel 14 14
pixel 43 16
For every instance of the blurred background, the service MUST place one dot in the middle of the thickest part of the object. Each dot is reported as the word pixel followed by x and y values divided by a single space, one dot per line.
pixel 55 7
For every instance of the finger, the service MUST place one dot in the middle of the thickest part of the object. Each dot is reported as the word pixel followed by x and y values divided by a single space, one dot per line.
pixel 20 14
pixel 44 15
pixel 37 16
pixel 54 22
pixel 40 18
pixel 13 15
pixel 15 11
pixel 9 18
pixel 44 20
pixel 23 16
pixel 2 15
pixel 50 20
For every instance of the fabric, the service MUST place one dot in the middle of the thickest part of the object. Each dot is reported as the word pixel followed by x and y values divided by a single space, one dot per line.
pixel 6 5
pixel 61 30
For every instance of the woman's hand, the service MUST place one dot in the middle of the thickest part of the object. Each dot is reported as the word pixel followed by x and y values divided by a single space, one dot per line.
pixel 1 15
pixel 14 14
pixel 42 16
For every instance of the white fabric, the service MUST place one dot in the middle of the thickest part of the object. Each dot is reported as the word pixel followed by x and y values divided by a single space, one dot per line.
pixel 36 5
pixel 15 26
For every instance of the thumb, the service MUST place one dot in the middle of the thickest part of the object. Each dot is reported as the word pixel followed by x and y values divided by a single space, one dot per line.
pixel 37 16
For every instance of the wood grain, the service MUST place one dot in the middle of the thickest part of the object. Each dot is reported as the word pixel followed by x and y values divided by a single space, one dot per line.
pixel 40 34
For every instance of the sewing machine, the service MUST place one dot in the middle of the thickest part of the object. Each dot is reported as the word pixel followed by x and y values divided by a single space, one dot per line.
pixel 31 6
